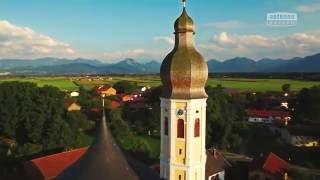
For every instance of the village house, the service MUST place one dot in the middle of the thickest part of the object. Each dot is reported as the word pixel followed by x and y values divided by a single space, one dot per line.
pixel 106 90
pixel 268 117
pixel 114 104
pixel 71 105
pixel 268 167
pixel 125 97
pixel 216 165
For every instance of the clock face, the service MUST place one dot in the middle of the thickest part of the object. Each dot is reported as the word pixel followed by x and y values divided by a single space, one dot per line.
pixel 180 112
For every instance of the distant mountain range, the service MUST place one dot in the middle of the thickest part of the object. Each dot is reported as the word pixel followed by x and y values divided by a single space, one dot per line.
pixel 47 66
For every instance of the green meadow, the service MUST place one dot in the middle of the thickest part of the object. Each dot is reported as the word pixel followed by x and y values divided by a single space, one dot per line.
pixel 261 85
pixel 63 83
pixel 72 83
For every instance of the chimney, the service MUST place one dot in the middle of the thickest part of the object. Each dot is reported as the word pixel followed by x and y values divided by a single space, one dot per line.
pixel 215 155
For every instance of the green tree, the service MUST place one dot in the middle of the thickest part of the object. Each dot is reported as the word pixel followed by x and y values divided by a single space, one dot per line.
pixel 286 88
pixel 78 121
pixel 153 120
pixel 225 120
pixel 306 105
pixel 125 86
pixel 88 99
pixel 57 135
pixel 119 127
pixel 35 117
pixel 27 149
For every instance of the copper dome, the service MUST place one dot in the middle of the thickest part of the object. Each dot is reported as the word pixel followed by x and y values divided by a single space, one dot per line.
pixel 184 71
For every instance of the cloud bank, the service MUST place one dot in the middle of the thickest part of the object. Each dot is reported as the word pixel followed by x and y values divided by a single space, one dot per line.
pixel 165 39
pixel 139 53
pixel 23 42
pixel 309 8
pixel 232 24
pixel 225 45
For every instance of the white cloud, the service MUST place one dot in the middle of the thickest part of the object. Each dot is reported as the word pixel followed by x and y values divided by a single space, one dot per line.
pixel 231 24
pixel 23 42
pixel 165 39
pixel 133 53
pixel 224 45
pixel 309 8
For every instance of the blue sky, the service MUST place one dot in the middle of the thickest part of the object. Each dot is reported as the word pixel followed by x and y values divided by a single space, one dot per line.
pixel 111 30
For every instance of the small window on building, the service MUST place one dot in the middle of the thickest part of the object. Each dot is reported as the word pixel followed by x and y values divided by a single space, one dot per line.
pixel 180 128
pixel 197 128
pixel 179 177
pixel 197 111
pixel 166 126
pixel 180 151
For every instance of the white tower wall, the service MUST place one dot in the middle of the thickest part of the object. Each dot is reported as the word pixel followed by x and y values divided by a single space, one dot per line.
pixel 183 158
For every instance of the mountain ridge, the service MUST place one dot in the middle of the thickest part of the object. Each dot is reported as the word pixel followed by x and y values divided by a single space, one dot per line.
pixel 51 65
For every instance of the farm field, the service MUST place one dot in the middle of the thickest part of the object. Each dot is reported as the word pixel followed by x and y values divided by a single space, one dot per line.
pixel 63 83
pixel 73 83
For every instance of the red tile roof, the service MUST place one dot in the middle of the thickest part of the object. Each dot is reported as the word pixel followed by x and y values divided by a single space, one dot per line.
pixel 114 104
pixel 274 164
pixel 267 113
pixel 96 110
pixel 103 88
pixel 48 167
pixel 69 101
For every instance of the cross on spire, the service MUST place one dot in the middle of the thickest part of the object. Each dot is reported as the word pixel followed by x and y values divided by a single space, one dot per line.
pixel 184 3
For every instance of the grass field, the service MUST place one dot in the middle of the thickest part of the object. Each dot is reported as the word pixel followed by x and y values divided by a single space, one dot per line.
pixel 71 83
pixel 63 83
pixel 261 84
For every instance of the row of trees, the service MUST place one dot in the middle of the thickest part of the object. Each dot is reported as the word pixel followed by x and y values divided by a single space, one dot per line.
pixel 306 106
pixel 128 138
pixel 226 120
pixel 36 119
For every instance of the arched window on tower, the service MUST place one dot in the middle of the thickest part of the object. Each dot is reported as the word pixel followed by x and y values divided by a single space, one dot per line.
pixel 197 128
pixel 180 128
pixel 166 126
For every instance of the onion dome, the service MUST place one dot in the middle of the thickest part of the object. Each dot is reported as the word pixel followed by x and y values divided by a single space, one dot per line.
pixel 184 72
pixel 103 160
pixel 184 23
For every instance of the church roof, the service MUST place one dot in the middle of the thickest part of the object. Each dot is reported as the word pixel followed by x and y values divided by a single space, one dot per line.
pixel 103 160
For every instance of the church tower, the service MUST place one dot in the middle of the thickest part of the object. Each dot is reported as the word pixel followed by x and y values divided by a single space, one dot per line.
pixel 183 107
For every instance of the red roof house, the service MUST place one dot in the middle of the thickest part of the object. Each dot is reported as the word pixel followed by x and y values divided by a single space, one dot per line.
pixel 125 97
pixel 267 113
pixel 114 104
pixel 271 166
pixel 274 164
pixel 48 167
pixel 106 90
pixel 268 116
